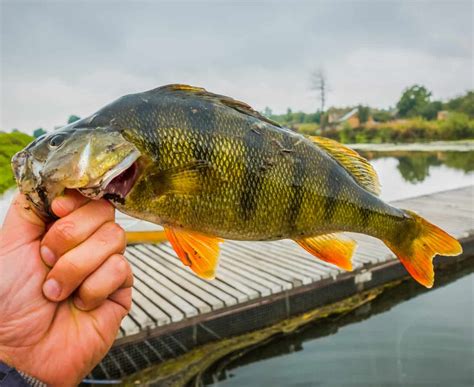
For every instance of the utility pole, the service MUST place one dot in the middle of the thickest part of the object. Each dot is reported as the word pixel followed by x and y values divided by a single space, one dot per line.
pixel 319 84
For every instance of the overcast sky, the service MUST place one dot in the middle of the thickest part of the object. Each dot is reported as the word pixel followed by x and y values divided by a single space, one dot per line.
pixel 72 57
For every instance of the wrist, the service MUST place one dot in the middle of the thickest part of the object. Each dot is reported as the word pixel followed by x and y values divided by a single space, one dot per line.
pixel 10 376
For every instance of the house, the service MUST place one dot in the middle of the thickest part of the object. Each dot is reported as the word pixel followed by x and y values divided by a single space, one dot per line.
pixel 442 115
pixel 351 118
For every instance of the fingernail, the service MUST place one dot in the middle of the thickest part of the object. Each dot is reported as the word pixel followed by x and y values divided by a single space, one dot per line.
pixel 48 256
pixel 52 289
pixel 79 303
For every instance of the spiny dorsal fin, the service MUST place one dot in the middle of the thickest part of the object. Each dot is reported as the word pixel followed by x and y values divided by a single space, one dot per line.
pixel 240 106
pixel 357 166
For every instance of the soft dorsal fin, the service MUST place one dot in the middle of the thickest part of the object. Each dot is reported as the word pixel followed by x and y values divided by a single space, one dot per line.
pixel 240 106
pixel 357 166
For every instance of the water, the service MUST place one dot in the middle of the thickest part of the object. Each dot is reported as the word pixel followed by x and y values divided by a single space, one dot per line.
pixel 426 339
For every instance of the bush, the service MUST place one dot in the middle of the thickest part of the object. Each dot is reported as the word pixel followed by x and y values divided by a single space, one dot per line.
pixel 10 143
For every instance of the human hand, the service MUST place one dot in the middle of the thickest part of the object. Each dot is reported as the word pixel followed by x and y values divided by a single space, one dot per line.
pixel 60 310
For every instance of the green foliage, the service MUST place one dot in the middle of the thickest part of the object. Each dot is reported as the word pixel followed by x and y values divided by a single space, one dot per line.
pixel 309 129
pixel 381 116
pixel 457 126
pixel 313 117
pixel 73 118
pixel 463 104
pixel 10 143
pixel 267 112
pixel 38 132
pixel 413 101
pixel 459 160
pixel 363 112
pixel 431 110
pixel 416 168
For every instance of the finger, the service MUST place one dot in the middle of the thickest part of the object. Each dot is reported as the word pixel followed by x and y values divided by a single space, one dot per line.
pixel 123 297
pixel 71 201
pixel 109 315
pixel 68 232
pixel 20 216
pixel 77 264
pixel 113 274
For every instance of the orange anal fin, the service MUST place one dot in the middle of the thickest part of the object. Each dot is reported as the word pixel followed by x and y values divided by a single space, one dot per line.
pixel 332 248
pixel 199 252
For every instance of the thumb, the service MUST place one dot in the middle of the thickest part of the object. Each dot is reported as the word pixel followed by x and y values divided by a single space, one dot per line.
pixel 21 226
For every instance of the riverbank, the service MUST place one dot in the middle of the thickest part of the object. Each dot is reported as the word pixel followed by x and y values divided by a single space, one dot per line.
pixel 434 146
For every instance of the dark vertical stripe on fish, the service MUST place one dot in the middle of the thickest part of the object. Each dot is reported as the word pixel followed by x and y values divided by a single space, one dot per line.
pixel 297 193
pixel 253 176
pixel 202 119
pixel 145 115
pixel 297 177
pixel 365 215
pixel 333 189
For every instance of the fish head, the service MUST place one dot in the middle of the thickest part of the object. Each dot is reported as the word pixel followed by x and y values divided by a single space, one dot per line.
pixel 95 161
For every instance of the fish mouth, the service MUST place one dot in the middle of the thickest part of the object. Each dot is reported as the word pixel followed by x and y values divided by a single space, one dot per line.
pixel 116 183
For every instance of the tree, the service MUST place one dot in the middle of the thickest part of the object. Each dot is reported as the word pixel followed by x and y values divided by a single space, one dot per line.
pixel 382 116
pixel 289 115
pixel 430 111
pixel 462 104
pixel 267 112
pixel 413 101
pixel 363 112
pixel 38 132
pixel 73 118
pixel 319 84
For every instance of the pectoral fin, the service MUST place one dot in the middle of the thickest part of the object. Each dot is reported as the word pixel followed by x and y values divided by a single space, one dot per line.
pixel 199 252
pixel 332 248
pixel 183 180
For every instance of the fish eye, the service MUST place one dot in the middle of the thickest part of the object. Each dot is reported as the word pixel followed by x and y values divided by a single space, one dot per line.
pixel 56 140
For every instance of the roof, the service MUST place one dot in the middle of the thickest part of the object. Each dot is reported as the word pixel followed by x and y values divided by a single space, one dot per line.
pixel 348 115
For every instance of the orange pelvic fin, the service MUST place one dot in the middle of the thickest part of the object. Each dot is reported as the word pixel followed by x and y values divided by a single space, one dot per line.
pixel 199 252
pixel 417 252
pixel 333 248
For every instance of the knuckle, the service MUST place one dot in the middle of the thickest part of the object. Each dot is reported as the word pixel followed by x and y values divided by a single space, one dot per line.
pixel 106 209
pixel 87 292
pixel 65 230
pixel 120 263
pixel 112 233
pixel 73 267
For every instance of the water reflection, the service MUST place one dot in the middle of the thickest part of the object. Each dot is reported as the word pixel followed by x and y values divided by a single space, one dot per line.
pixel 361 348
pixel 415 166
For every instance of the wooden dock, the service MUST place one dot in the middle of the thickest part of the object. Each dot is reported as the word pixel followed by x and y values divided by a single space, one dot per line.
pixel 257 283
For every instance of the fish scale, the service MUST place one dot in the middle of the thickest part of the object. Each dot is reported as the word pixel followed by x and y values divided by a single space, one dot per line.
pixel 206 166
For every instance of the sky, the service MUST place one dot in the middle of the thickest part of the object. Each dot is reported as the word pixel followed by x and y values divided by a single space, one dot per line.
pixel 73 57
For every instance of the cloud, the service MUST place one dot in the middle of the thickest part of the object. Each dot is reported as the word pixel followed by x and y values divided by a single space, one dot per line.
pixel 73 57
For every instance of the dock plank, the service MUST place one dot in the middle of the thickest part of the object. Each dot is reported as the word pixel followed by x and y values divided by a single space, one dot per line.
pixel 167 292
pixel 174 293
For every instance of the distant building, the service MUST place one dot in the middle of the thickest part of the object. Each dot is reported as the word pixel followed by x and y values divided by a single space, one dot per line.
pixel 351 117
pixel 442 115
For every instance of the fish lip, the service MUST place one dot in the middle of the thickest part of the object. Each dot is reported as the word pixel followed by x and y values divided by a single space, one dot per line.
pixel 98 189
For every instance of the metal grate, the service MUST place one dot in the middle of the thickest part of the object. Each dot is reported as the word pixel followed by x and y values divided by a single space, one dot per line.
pixel 132 357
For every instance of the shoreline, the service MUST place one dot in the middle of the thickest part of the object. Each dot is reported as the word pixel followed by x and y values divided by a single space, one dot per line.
pixel 434 146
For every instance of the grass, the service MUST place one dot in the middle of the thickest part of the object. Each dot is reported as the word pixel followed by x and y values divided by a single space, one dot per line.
pixel 10 143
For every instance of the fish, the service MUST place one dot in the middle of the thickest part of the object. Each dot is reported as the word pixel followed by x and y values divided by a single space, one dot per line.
pixel 208 167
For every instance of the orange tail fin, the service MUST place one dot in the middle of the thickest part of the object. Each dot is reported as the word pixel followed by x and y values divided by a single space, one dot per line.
pixel 418 243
